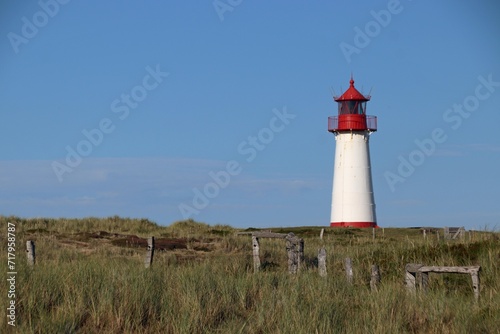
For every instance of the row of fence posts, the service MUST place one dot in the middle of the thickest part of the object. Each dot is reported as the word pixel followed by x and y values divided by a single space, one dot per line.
pixel 295 252
pixel 375 271
pixel 295 249
pixel 415 274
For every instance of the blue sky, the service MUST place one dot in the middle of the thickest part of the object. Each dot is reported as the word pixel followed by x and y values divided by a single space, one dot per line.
pixel 217 110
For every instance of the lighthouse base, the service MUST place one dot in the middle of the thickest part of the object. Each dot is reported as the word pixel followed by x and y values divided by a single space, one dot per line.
pixel 354 224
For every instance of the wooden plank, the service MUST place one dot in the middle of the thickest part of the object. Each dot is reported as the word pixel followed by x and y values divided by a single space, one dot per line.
pixel 256 257
pixel 322 262
pixel 30 252
pixel 270 235
pixel 462 270
pixel 413 267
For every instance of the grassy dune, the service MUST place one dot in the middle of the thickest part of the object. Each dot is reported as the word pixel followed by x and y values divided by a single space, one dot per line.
pixel 90 278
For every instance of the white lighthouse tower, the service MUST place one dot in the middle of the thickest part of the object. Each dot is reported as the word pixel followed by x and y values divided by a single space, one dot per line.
pixel 353 203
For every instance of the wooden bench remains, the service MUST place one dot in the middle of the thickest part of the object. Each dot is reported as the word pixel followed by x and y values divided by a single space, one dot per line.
pixel 294 248
pixel 418 275
pixel 454 232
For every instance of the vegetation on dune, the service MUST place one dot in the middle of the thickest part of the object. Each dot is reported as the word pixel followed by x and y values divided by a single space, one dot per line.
pixel 85 281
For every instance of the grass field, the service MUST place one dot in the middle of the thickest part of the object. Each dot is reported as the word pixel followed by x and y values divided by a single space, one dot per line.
pixel 89 277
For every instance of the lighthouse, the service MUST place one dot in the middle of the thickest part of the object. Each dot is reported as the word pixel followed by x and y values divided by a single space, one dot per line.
pixel 353 203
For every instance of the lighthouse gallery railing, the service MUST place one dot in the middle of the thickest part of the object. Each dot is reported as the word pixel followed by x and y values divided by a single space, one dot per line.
pixel 352 122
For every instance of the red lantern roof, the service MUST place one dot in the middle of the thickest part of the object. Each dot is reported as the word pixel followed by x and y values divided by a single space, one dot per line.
pixel 352 94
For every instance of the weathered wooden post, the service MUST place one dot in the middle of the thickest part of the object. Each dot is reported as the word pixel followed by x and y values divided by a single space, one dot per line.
pixel 423 280
pixel 150 252
pixel 411 276
pixel 373 233
pixel 300 255
pixel 321 233
pixel 375 279
pixel 30 252
pixel 322 262
pixel 348 270
pixel 256 257
pixel 475 283
pixel 295 250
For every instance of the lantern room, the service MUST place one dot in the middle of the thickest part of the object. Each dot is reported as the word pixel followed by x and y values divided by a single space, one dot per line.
pixel 352 112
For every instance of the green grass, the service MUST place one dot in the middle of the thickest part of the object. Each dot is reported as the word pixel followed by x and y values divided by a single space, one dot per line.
pixel 85 284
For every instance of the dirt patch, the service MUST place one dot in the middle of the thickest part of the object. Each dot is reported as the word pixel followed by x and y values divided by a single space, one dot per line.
pixel 74 243
pixel 161 244
pixel 91 239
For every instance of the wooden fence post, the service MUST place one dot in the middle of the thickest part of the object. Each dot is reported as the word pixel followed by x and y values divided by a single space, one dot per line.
pixel 256 258
pixel 295 250
pixel 348 270
pixel 321 233
pixel 375 279
pixel 322 262
pixel 150 252
pixel 475 283
pixel 410 275
pixel 300 255
pixel 423 280
pixel 30 252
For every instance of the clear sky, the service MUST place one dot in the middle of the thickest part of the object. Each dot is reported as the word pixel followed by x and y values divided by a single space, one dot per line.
pixel 217 110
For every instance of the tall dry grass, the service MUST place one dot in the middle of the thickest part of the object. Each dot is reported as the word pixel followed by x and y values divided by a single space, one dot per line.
pixel 106 289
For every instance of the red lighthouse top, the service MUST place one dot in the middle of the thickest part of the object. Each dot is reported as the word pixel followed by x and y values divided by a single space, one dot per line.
pixel 352 112
pixel 352 94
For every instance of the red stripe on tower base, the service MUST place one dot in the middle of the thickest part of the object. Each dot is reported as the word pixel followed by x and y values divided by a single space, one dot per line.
pixel 354 224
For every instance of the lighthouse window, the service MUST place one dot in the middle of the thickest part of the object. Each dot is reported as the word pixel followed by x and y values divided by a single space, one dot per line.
pixel 362 106
pixel 343 108
pixel 352 107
